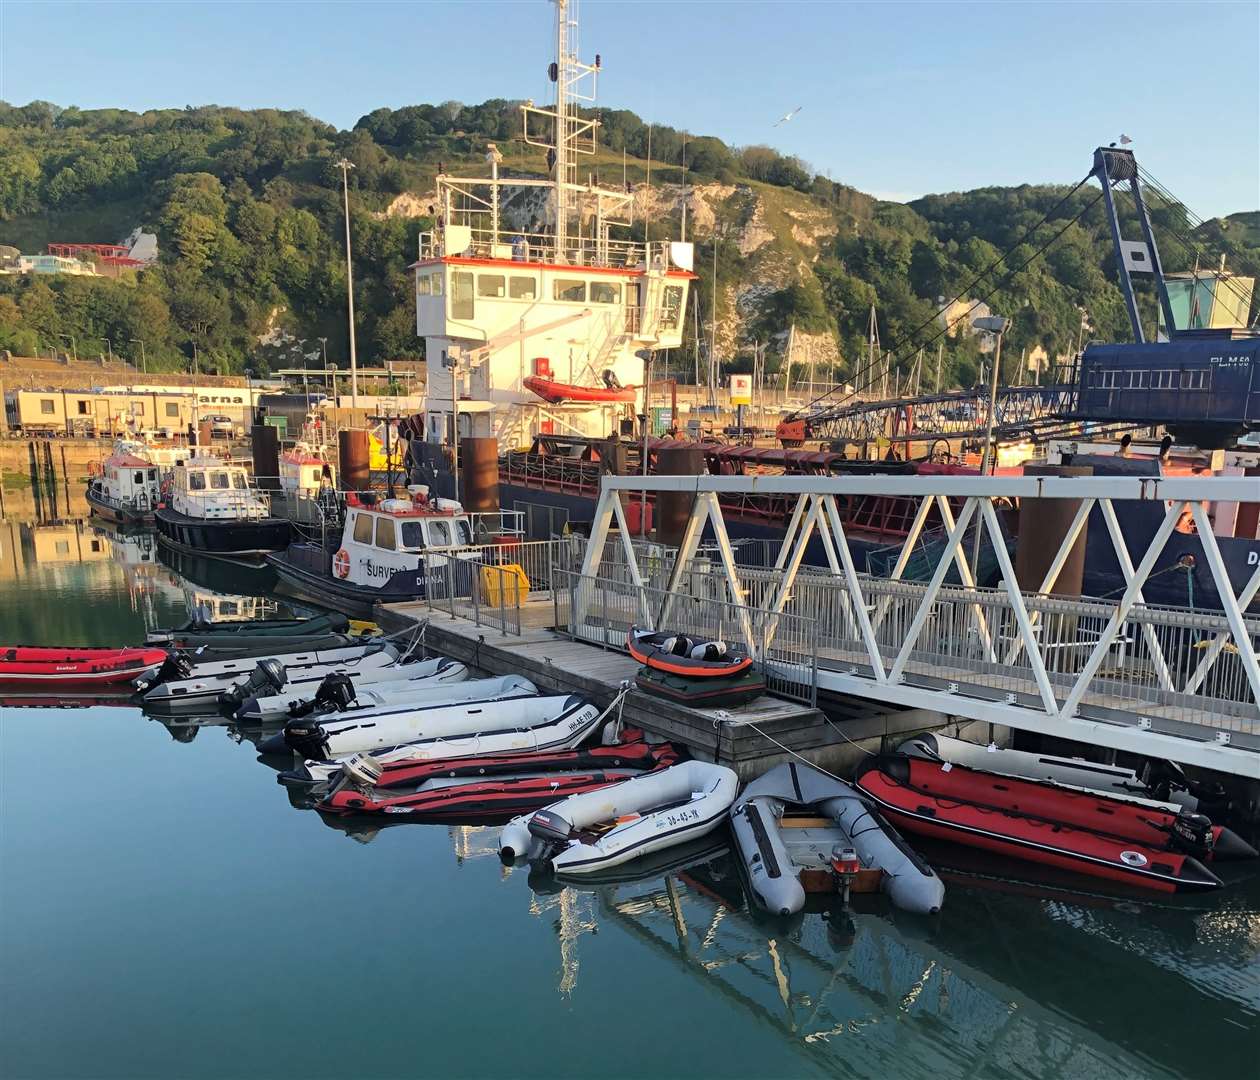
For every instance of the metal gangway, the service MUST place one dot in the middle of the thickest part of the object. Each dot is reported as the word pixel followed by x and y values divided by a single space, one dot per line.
pixel 1170 682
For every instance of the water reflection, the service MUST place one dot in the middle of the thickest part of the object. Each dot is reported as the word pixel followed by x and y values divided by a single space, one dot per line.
pixel 1015 977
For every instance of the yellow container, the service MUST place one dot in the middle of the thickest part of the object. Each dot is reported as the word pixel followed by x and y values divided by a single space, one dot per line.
pixel 509 580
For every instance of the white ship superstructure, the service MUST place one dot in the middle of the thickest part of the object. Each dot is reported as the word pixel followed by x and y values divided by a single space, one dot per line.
pixel 567 300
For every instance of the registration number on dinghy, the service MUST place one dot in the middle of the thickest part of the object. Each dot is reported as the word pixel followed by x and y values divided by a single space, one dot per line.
pixel 681 818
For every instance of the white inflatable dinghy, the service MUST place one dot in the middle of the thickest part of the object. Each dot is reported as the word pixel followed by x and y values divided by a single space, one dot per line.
pixel 605 828
pixel 465 729
pixel 376 686
pixel 201 688
pixel 773 856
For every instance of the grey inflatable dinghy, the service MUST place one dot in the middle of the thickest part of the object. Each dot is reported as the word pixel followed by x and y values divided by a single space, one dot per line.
pixel 773 859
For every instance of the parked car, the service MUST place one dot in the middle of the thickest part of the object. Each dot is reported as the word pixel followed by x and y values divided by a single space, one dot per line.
pixel 220 426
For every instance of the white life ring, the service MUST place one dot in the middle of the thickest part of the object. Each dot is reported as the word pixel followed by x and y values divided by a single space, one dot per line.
pixel 341 563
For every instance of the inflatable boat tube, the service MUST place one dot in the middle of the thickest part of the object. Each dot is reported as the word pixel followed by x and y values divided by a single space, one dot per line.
pixel 74 666
pixel 196 687
pixel 1053 825
pixel 1160 781
pixel 421 682
pixel 606 828
pixel 772 869
pixel 679 654
pixel 469 729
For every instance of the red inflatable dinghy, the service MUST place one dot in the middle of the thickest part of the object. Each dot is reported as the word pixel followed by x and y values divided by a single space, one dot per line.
pixel 73 666
pixel 1062 827
pixel 499 786
pixel 557 392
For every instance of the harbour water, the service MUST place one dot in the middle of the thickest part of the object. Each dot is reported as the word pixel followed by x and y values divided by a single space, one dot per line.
pixel 165 911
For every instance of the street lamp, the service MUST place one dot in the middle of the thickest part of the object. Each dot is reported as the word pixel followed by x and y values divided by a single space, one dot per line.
pixel 144 370
pixel 73 351
pixel 345 167
pixel 994 324
pixel 324 344
pixel 109 349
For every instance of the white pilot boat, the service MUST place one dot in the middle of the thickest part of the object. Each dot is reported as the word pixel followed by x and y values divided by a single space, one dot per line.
pixel 213 510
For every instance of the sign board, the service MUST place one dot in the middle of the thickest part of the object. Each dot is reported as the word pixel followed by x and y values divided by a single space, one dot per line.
pixel 741 389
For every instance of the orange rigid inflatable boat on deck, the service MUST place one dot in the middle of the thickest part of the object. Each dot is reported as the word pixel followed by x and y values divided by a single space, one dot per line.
pixel 557 392
pixel 692 658
pixel 73 666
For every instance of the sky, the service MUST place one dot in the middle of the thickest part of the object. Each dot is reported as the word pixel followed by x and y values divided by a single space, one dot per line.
pixel 898 99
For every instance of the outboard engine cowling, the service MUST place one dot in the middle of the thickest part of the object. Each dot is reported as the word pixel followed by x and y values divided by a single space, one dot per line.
pixel 307 738
pixel 362 770
pixel 550 827
pixel 1192 834
pixel 177 665
pixel 267 678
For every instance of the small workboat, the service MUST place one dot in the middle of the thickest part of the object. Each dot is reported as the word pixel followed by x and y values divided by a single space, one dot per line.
pixel 690 657
pixel 125 490
pixel 1062 827
pixel 186 685
pixel 213 510
pixel 558 392
pixel 1161 781
pixel 469 729
pixel 419 682
pixel 781 853
pixel 74 666
pixel 479 788
pixel 613 825
pixel 728 692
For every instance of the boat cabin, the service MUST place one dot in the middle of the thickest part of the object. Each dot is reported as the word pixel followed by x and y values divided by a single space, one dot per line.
pixel 128 482
pixel 393 535
pixel 304 473
pixel 207 487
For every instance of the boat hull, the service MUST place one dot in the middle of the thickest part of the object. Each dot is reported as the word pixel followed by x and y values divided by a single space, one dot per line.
pixel 46 667
pixel 119 515
pixel 231 538
pixel 305 572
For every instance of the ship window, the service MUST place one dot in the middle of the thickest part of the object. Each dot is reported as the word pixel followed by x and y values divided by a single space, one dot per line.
pixel 197 481
pixel 462 530
pixel 46 406
pixel 172 409
pixel 424 285
pixel 219 480
pixel 490 285
pixel 412 535
pixel 522 288
pixel 671 307
pixel 385 534
pixel 153 474
pixel 437 284
pixel 570 289
pixel 363 528
pixel 605 292
pixel 461 295
pixel 137 477
pixel 439 533
pixel 239 482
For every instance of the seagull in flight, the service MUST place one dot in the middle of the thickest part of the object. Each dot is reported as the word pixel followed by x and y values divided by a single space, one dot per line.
pixel 787 116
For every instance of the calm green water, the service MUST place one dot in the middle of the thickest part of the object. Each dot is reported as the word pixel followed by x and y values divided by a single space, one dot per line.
pixel 165 912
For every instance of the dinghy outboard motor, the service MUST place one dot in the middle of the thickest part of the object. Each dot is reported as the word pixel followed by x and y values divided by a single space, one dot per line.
pixel 176 666
pixel 549 827
pixel 1192 834
pixel 306 738
pixel 336 691
pixel 268 677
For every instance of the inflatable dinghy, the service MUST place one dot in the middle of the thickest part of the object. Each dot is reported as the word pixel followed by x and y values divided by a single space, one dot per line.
pixel 189 686
pixel 74 666
pixel 419 680
pixel 611 826
pixel 774 854
pixel 469 789
pixel 197 632
pixel 1061 827
pixel 729 692
pixel 467 729
pixel 1160 781
pixel 690 657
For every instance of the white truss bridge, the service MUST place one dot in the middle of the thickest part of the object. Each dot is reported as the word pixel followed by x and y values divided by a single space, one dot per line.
pixel 1119 673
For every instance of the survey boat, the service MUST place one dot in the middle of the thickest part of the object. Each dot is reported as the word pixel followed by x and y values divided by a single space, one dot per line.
pixel 389 551
pixel 71 665
pixel 125 490
pixel 781 854
pixel 611 826
pixel 1063 827
pixel 471 729
pixel 213 510
pixel 479 788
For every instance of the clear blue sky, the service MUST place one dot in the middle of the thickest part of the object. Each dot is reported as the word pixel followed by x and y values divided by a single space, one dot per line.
pixel 899 98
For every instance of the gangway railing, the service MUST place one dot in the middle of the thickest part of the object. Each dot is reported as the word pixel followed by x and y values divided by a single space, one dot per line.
pixel 1117 672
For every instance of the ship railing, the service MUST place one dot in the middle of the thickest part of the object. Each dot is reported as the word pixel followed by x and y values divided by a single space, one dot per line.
pixel 540 247
pixel 601 611
pixel 257 501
